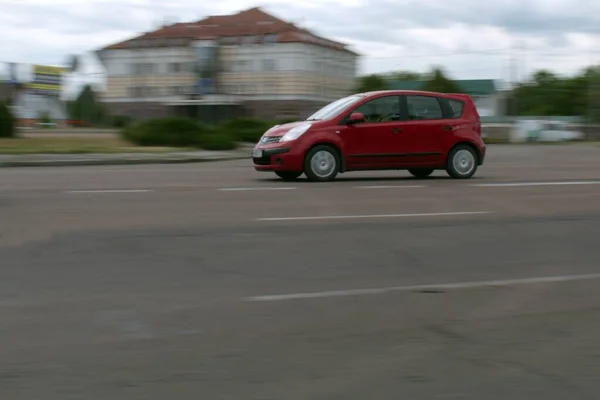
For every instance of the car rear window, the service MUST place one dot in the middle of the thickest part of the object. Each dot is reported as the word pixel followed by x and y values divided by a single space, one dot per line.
pixel 457 107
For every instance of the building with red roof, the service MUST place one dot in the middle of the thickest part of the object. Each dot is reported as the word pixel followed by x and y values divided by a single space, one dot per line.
pixel 249 63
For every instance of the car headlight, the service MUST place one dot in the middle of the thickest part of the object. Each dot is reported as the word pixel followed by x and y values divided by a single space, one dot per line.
pixel 295 132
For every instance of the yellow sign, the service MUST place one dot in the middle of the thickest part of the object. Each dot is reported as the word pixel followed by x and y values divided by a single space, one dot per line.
pixel 46 80
pixel 48 70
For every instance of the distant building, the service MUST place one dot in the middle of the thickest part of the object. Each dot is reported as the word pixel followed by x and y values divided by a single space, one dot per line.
pixel 248 63
pixel 489 100
pixel 34 93
pixel 7 92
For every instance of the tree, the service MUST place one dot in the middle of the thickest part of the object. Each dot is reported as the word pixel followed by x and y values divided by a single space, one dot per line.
pixel 371 83
pixel 548 94
pixel 438 82
pixel 86 107
pixel 405 76
pixel 7 122
pixel 592 76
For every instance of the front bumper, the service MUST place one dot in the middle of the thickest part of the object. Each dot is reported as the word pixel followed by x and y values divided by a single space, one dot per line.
pixel 276 159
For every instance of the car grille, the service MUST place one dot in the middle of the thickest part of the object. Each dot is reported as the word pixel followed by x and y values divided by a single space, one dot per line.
pixel 270 139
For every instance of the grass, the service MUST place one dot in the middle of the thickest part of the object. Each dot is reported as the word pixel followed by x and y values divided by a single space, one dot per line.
pixel 112 145
pixel 75 145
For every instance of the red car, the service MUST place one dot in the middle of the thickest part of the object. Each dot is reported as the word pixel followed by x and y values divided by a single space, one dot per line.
pixel 386 130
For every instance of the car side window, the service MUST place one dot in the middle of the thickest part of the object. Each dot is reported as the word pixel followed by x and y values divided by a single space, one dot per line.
pixel 457 107
pixel 381 109
pixel 423 108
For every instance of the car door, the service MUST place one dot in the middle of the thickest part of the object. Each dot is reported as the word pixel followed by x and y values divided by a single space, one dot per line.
pixel 423 130
pixel 374 143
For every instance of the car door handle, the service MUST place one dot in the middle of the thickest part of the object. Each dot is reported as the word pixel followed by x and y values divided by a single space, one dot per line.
pixel 448 128
pixel 396 130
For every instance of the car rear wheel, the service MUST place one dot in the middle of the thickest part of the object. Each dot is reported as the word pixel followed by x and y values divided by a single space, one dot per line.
pixel 288 176
pixel 421 172
pixel 462 162
pixel 321 164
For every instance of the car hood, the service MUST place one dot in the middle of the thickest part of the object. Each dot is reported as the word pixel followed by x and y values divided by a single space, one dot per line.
pixel 280 130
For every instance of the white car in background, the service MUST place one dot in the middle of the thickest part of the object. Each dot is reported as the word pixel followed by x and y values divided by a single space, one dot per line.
pixel 544 131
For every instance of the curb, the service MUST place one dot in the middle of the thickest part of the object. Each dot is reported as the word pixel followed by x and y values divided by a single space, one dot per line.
pixel 127 161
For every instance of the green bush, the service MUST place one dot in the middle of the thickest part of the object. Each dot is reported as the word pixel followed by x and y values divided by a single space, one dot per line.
pixel 44 117
pixel 7 122
pixel 247 130
pixel 215 138
pixel 120 121
pixel 184 132
pixel 169 132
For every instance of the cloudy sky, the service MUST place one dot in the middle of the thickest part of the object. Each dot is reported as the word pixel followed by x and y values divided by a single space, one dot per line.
pixel 470 38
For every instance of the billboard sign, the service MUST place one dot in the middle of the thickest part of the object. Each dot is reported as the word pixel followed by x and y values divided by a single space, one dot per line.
pixel 47 81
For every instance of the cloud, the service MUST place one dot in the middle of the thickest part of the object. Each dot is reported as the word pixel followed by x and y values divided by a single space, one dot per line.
pixel 470 38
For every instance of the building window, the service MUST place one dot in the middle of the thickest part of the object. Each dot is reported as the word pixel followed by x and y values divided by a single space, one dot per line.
pixel 251 39
pixel 244 66
pixel 268 65
pixel 144 91
pixel 177 67
pixel 142 68
pixel 178 89
pixel 270 38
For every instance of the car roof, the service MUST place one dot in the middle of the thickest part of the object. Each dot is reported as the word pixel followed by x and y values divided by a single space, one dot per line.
pixel 400 92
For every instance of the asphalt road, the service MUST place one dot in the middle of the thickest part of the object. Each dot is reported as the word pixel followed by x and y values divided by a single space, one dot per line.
pixel 213 281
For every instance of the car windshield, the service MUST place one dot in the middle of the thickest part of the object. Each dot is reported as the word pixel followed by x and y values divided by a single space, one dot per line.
pixel 333 109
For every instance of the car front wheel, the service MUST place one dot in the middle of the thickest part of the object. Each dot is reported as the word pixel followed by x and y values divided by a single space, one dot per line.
pixel 462 162
pixel 321 164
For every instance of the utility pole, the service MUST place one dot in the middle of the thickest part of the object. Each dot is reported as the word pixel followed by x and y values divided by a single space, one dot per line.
pixel 593 84
pixel 512 66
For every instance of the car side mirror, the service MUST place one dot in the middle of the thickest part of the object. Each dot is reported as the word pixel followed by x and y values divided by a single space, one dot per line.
pixel 356 118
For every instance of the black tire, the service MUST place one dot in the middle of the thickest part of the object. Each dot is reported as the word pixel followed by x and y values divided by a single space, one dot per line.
pixel 330 160
pixel 288 176
pixel 462 162
pixel 421 172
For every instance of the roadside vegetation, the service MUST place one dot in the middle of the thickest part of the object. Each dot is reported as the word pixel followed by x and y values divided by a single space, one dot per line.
pixel 184 132
pixel 7 122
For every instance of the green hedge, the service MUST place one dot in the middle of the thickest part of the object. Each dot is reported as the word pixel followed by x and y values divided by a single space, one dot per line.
pixel 177 132
pixel 120 121
pixel 185 132
pixel 217 139
pixel 170 132
pixel 8 127
pixel 247 130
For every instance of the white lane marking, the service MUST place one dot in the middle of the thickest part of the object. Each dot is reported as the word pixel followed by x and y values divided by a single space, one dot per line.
pixel 441 286
pixel 389 187
pixel 325 217
pixel 254 188
pixel 111 191
pixel 509 184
